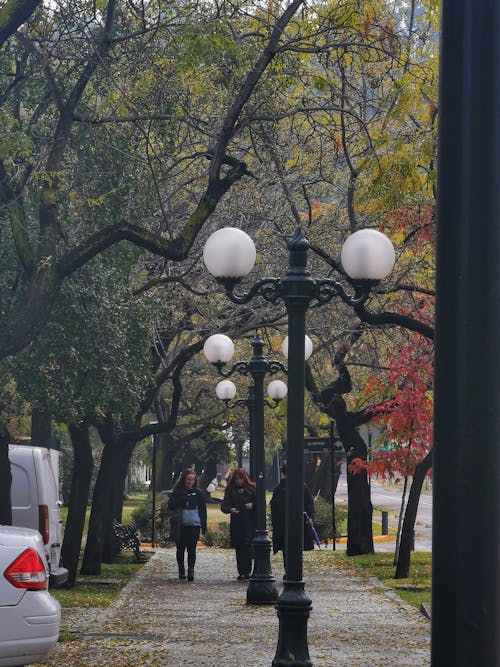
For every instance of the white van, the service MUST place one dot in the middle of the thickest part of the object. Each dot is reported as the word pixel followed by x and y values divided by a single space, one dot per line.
pixel 35 500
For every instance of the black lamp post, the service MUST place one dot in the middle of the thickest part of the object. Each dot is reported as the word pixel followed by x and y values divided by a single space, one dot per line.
pixel 154 441
pixel 261 586
pixel 466 460
pixel 226 391
pixel 367 257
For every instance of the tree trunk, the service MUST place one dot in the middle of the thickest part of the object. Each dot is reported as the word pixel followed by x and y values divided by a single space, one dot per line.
pixel 209 472
pixel 400 520
pixel 123 456
pixel 359 515
pixel 360 509
pixel 101 515
pixel 326 480
pixel 407 533
pixel 79 495
pixel 41 428
pixel 5 478
pixel 166 462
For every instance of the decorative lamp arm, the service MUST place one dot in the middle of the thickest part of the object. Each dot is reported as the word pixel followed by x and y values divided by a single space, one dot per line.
pixel 241 367
pixel 326 289
pixel 268 288
pixel 238 402
pixel 272 403
pixel 276 367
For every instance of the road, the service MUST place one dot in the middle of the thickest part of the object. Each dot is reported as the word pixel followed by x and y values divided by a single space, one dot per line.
pixel 389 499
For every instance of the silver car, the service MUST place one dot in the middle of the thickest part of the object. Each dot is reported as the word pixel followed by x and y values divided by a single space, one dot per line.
pixel 29 616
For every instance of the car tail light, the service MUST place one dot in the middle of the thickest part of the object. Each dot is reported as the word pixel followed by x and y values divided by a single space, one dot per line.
pixel 27 571
pixel 43 522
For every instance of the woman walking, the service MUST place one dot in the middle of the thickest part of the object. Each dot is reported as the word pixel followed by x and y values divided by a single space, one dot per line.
pixel 190 516
pixel 239 502
pixel 278 516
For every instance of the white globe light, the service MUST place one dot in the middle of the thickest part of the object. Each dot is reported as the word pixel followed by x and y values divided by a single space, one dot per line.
pixel 225 390
pixel 277 390
pixel 229 253
pixel 218 348
pixel 368 255
pixel 308 347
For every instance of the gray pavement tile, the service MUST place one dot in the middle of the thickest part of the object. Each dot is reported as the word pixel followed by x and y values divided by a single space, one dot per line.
pixel 159 621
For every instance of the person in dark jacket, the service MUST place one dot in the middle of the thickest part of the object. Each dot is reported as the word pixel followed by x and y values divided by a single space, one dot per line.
pixel 239 503
pixel 189 518
pixel 278 520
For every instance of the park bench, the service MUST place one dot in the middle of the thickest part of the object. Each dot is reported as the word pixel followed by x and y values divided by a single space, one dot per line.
pixel 126 537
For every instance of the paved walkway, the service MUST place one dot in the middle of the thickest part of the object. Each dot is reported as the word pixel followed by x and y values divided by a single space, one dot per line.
pixel 160 621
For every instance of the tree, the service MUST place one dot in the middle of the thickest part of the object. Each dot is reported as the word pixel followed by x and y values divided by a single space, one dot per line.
pixel 79 496
pixel 62 91
pixel 406 418
pixel 13 14
pixel 41 198
pixel 177 411
pixel 92 357
pixel 330 401
pixel 146 144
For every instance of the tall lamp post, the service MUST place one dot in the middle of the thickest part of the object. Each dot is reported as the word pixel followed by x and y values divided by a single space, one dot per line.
pixel 226 391
pixel 219 350
pixel 154 442
pixel 466 454
pixel 367 257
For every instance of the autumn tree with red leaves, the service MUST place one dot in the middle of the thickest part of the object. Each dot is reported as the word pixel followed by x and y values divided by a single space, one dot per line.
pixel 406 438
pixel 405 417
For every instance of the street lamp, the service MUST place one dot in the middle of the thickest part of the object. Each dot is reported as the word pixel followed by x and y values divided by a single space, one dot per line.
pixel 261 586
pixel 308 348
pixel 367 257
pixel 154 442
pixel 226 391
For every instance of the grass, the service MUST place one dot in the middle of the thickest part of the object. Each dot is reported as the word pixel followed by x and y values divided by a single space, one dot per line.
pixel 415 590
pixel 129 506
pixel 100 590
pixel 215 516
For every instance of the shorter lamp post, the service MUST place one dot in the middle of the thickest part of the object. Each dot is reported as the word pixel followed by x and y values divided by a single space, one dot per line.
pixel 226 391
pixel 219 350
pixel 367 257
pixel 154 442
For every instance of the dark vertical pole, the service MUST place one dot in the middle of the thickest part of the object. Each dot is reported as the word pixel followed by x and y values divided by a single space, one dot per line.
pixel 251 428
pixel 262 586
pixel 294 534
pixel 465 618
pixel 153 491
pixel 333 471
pixel 293 605
pixel 258 426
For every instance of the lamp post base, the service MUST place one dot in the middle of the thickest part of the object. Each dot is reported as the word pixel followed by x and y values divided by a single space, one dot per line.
pixel 293 609
pixel 262 585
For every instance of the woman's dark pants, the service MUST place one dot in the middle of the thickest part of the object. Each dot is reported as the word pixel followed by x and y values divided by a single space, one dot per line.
pixel 189 538
pixel 244 559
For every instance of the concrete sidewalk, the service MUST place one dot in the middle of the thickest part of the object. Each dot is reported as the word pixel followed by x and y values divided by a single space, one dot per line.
pixel 160 620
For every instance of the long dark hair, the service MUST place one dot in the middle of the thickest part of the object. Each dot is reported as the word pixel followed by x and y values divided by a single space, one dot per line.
pixel 231 488
pixel 180 485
